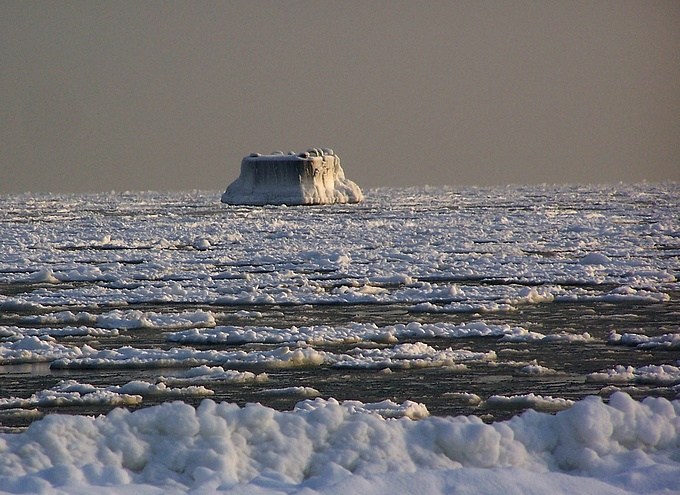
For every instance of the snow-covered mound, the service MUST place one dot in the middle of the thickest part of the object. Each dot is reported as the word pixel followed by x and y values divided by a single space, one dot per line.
pixel 308 178
pixel 327 447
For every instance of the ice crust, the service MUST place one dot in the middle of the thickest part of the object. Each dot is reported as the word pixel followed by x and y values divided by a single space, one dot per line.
pixel 313 177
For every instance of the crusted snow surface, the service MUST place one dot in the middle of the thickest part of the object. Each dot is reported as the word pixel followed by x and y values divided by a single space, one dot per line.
pixel 309 178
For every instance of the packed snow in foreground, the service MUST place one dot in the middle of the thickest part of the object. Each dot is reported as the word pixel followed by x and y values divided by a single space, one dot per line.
pixel 328 447
pixel 309 178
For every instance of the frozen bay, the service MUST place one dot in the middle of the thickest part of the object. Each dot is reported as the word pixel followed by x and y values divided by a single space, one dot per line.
pixel 422 304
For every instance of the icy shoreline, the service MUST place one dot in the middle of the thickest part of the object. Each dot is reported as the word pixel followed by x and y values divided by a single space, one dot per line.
pixel 324 446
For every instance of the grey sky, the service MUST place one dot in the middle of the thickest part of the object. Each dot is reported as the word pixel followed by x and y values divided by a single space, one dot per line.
pixel 129 95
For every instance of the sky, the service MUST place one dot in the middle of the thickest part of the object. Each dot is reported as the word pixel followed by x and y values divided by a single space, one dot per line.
pixel 127 95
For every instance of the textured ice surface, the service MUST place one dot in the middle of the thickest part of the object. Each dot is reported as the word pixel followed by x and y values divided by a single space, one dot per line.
pixel 309 178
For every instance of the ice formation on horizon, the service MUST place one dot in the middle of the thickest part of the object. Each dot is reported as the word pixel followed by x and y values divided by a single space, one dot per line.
pixel 307 178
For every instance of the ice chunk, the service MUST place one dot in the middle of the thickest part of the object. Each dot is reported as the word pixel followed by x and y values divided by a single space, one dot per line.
pixel 539 402
pixel 595 259
pixel 308 178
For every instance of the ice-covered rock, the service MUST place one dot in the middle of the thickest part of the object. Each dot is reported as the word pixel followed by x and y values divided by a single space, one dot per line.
pixel 308 178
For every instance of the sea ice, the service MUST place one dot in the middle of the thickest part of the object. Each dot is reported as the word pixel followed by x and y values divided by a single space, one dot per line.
pixel 96 283
pixel 34 349
pixel 293 391
pixel 351 333
pixel 73 393
pixel 665 374
pixel 212 374
pixel 538 402
pixel 667 340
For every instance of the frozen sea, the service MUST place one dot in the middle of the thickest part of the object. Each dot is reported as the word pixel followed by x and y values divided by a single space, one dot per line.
pixel 519 339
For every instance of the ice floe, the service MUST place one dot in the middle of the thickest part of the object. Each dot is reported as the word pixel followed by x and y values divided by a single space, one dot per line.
pixel 126 319
pixel 535 369
pixel 72 393
pixel 665 374
pixel 293 391
pixel 354 332
pixel 411 355
pixel 401 356
pixel 212 374
pixel 184 357
pixel 538 402
pixel 665 341
pixel 35 349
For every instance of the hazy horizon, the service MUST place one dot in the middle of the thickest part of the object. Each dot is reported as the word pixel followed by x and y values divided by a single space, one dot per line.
pixel 171 95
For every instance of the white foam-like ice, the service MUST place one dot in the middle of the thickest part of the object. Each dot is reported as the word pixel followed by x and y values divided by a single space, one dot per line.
pixel 212 374
pixel 293 391
pixel 531 295
pixel 14 332
pixel 352 333
pixel 73 393
pixel 386 409
pixel 160 389
pixel 528 336
pixel 531 400
pixel 665 341
pixel 274 283
pixel 126 319
pixel 131 357
pixel 324 446
pixel 400 356
pixel 36 349
pixel 665 374
pixel 535 369
pixel 20 348
pixel 411 355
pixel 276 255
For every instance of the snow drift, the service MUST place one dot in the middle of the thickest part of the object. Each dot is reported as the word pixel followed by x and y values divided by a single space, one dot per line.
pixel 307 178
pixel 324 446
